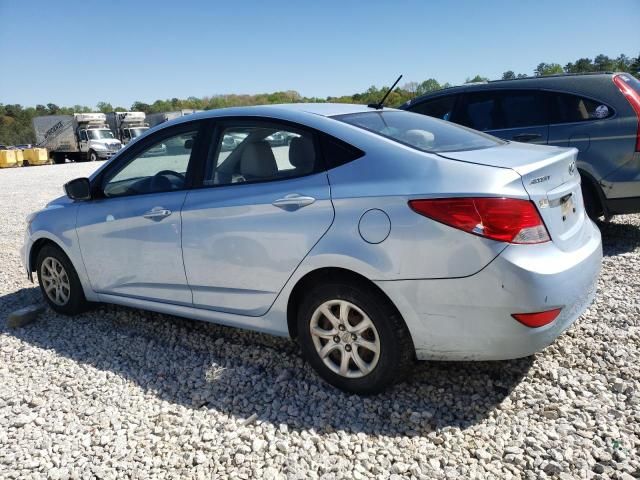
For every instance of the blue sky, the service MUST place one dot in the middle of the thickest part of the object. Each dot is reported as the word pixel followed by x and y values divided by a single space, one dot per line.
pixel 82 52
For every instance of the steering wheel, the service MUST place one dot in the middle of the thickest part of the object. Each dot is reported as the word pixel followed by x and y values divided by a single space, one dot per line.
pixel 161 183
pixel 179 175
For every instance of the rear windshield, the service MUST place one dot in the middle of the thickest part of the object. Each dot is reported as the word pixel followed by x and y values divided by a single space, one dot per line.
pixel 420 131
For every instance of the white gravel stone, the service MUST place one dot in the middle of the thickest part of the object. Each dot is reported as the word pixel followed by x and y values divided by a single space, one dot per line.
pixel 121 393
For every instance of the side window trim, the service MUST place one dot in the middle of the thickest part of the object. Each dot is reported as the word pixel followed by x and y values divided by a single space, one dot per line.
pixel 215 130
pixel 98 184
pixel 580 95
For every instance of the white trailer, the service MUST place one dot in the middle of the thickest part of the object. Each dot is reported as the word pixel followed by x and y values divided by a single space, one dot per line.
pixel 127 125
pixel 78 137
pixel 154 119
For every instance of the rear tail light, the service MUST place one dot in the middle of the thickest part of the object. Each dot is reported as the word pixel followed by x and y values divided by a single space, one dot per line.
pixel 537 319
pixel 633 98
pixel 502 219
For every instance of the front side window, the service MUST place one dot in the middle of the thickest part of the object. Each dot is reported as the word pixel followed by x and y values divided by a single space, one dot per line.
pixel 568 108
pixel 83 135
pixel 259 152
pixel 441 107
pixel 420 131
pixel 161 167
pixel 495 110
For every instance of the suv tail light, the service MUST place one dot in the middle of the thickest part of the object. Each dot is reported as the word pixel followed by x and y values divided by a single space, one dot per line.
pixel 502 219
pixel 633 97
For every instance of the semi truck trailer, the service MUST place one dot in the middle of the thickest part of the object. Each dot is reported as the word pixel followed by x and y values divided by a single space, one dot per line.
pixel 154 119
pixel 78 137
pixel 127 125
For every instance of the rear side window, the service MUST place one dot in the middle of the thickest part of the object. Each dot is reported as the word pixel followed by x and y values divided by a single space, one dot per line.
pixel 441 107
pixel 504 109
pixel 568 108
pixel 338 153
pixel 258 152
pixel 420 131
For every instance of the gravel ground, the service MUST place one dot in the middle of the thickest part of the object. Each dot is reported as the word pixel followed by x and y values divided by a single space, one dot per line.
pixel 120 393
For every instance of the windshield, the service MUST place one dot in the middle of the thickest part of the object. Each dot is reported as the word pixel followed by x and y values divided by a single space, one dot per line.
pixel 136 132
pixel 96 134
pixel 420 131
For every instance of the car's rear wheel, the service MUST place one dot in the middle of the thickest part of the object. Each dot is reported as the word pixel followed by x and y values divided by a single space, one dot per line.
pixel 59 282
pixel 354 338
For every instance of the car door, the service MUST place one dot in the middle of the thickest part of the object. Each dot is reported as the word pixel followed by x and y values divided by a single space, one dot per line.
pixel 263 204
pixel 517 115
pixel 130 237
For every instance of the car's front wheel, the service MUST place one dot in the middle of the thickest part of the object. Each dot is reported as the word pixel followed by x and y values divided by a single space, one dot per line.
pixel 354 338
pixel 59 281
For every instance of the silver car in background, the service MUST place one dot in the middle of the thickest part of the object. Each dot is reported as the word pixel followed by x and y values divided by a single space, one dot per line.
pixel 372 236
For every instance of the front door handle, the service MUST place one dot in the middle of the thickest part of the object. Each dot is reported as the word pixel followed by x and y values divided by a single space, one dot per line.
pixel 293 201
pixel 526 137
pixel 157 213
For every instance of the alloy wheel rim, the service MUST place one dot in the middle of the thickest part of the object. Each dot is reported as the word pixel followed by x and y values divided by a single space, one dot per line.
pixel 345 338
pixel 55 281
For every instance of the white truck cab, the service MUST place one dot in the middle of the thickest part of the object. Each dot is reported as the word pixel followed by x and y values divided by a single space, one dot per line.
pixel 127 125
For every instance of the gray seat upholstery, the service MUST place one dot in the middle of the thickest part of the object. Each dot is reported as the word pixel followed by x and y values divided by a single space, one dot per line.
pixel 258 161
pixel 302 155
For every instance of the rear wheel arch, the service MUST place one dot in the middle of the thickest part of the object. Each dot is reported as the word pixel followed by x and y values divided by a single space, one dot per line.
pixel 325 275
pixel 592 193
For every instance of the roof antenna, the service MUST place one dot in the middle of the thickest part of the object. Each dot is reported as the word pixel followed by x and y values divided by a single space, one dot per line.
pixel 380 104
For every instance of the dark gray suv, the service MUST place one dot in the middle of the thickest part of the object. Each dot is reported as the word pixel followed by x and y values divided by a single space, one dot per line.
pixel 599 114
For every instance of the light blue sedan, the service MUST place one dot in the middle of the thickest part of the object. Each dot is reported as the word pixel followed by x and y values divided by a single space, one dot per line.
pixel 373 236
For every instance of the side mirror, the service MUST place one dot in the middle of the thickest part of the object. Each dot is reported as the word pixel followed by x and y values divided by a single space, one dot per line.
pixel 188 144
pixel 78 189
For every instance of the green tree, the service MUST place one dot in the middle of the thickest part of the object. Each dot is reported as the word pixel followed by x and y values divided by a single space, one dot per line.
pixel 429 85
pixel 104 107
pixel 476 79
pixel 548 69
pixel 582 65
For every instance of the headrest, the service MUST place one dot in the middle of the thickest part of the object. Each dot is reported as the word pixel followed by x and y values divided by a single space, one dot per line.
pixel 302 155
pixel 258 160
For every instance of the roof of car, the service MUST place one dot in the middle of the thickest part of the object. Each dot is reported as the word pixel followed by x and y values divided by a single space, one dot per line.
pixel 561 81
pixel 322 109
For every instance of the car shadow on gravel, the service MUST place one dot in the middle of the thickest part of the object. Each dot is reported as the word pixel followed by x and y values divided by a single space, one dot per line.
pixel 249 375
pixel 619 238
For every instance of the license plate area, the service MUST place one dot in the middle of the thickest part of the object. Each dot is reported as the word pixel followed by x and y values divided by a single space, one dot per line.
pixel 566 206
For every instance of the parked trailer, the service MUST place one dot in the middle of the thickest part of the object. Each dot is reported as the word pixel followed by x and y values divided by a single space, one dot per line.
pixel 79 137
pixel 127 125
pixel 154 119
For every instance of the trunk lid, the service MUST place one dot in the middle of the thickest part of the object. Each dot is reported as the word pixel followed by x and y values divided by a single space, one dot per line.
pixel 550 177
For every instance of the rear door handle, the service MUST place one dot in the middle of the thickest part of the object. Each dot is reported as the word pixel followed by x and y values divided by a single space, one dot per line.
pixel 526 137
pixel 293 201
pixel 157 213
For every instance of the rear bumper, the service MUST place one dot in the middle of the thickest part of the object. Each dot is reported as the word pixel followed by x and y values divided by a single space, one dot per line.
pixel 470 318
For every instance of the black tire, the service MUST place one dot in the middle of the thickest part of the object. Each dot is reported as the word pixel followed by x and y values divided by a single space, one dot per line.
pixel 591 199
pixel 76 302
pixel 93 156
pixel 58 158
pixel 396 350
